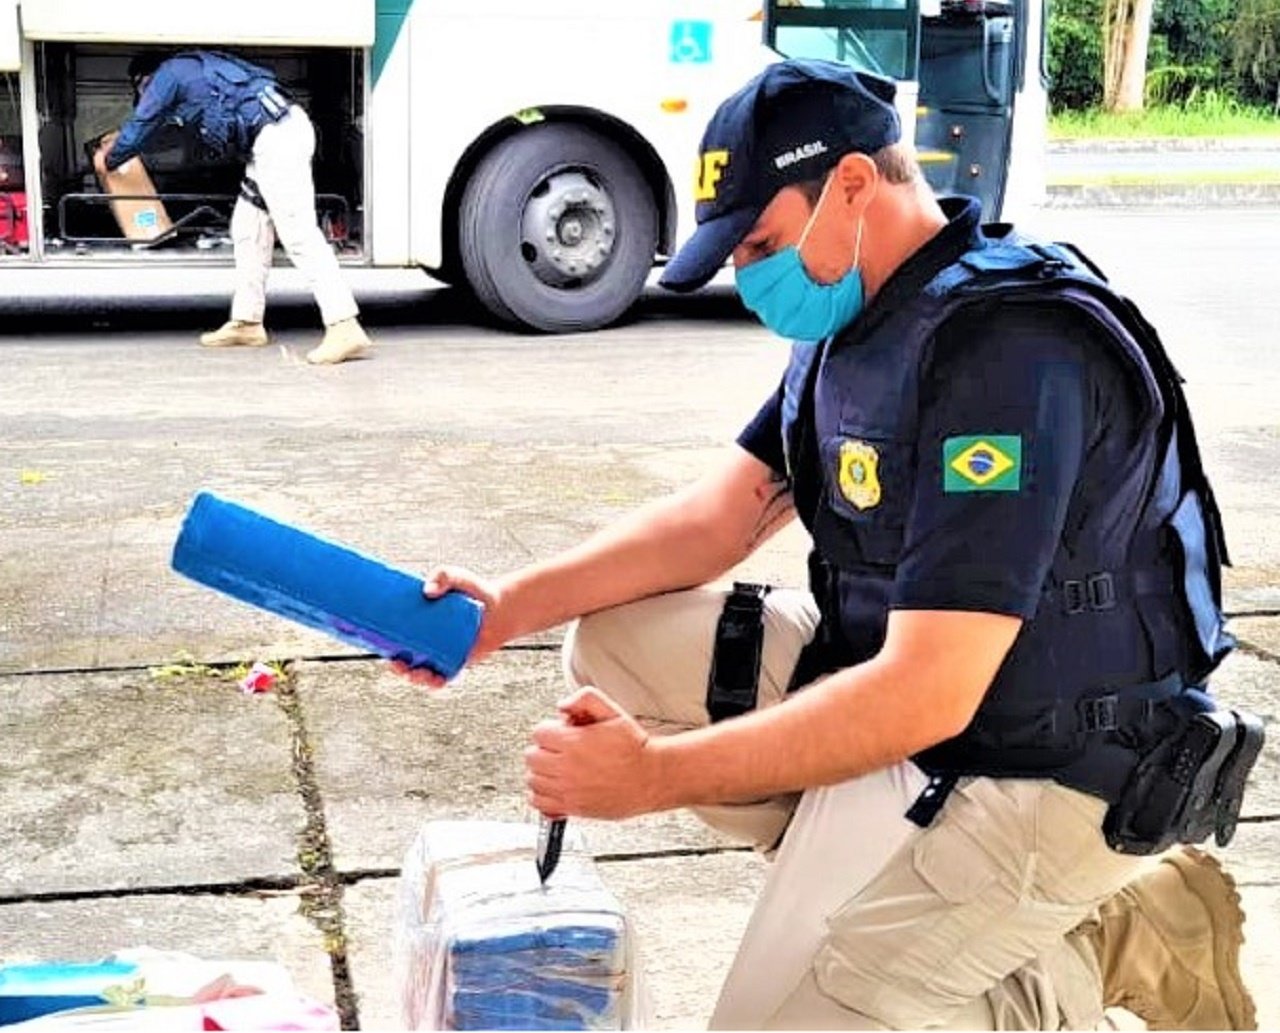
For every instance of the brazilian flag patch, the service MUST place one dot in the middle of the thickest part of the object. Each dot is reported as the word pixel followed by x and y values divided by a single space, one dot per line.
pixel 983 462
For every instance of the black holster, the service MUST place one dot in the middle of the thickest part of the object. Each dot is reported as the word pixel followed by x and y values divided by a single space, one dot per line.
pixel 1190 784
pixel 735 658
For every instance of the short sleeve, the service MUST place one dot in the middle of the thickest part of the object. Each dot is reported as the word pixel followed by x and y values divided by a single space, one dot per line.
pixel 1006 411
pixel 762 437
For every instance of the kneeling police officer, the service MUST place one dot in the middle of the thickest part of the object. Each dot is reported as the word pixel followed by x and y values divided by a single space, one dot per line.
pixel 240 110
pixel 974 747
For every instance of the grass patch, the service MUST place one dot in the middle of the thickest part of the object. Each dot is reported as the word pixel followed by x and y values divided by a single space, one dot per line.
pixel 1210 115
pixel 186 667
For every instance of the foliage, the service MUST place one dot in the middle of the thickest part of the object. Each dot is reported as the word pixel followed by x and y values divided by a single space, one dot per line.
pixel 1170 84
pixel 1075 54
pixel 1194 33
pixel 1208 113
pixel 1255 54
pixel 1203 53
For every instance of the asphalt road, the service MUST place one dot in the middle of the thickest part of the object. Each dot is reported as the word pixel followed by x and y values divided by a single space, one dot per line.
pixel 1238 158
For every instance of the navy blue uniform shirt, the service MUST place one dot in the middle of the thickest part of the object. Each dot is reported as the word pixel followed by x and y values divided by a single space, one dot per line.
pixel 224 98
pixel 176 95
pixel 1039 374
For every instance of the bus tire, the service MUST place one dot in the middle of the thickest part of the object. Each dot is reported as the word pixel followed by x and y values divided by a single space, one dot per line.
pixel 557 230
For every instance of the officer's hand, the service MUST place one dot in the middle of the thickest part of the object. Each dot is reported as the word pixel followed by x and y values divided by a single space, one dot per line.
pixel 595 761
pixel 494 625
pixel 100 155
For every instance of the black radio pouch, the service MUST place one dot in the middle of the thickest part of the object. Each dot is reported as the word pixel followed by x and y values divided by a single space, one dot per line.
pixel 1191 785
pixel 735 659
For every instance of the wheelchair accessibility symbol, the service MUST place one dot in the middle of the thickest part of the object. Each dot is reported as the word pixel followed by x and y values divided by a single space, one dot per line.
pixel 690 42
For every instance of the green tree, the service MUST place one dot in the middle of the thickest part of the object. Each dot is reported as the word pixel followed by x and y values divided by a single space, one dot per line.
pixel 1075 54
pixel 1191 50
pixel 1255 38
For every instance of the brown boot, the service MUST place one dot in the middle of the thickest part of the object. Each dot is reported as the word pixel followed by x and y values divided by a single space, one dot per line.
pixel 342 341
pixel 1169 946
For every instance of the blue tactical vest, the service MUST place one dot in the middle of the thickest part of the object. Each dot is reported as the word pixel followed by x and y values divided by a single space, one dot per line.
pixel 1128 617
pixel 236 100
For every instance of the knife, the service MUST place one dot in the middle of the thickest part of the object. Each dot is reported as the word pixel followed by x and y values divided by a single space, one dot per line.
pixel 550 840
pixel 551 830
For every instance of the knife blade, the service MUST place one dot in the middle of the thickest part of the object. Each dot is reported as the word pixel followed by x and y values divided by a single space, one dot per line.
pixel 550 841
pixel 551 830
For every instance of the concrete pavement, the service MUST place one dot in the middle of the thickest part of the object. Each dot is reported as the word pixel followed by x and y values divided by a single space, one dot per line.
pixel 144 800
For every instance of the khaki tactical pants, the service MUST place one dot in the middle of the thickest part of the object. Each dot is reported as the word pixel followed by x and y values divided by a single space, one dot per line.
pixel 281 166
pixel 867 921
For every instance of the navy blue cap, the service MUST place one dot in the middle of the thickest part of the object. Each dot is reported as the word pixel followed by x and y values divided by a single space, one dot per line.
pixel 791 123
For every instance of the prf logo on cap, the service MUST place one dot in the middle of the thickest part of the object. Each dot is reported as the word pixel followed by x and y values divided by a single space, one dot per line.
pixel 707 173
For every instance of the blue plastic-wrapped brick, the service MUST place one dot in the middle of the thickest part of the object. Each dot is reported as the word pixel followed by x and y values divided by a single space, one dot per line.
pixel 482 944
pixel 353 597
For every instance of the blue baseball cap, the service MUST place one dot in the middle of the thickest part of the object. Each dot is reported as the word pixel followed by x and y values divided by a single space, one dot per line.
pixel 789 124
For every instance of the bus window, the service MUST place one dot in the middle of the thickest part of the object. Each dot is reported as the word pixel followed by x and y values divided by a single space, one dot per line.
pixel 879 36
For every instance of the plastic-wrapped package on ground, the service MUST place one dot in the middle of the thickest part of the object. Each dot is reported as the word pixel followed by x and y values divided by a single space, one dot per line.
pixel 481 944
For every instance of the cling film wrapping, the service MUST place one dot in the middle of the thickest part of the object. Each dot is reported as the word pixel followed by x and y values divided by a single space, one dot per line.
pixel 482 944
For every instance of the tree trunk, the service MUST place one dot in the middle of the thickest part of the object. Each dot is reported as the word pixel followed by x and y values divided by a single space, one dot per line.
pixel 1126 34
pixel 1115 21
pixel 1131 89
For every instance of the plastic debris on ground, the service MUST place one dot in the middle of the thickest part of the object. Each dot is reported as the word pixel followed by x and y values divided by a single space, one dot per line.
pixel 144 989
pixel 261 678
pixel 482 944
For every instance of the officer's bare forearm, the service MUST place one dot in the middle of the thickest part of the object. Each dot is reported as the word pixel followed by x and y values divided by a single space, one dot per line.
pixel 916 693
pixel 683 540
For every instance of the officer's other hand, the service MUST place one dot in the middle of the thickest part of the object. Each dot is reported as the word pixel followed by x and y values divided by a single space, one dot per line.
pixel 491 635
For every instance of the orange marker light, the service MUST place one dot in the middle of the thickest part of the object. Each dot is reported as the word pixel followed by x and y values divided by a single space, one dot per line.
pixel 674 105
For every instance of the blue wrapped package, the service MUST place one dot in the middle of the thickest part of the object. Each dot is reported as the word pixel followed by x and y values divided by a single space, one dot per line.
pixel 482 944
pixel 28 991
pixel 343 593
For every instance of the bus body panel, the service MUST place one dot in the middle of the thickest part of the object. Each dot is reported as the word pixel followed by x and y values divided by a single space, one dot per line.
pixel 409 96
pixel 348 23
pixel 627 56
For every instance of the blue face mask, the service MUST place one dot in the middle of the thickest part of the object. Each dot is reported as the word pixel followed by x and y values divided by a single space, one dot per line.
pixel 792 303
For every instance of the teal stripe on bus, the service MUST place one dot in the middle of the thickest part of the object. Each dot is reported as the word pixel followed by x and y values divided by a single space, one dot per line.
pixel 389 18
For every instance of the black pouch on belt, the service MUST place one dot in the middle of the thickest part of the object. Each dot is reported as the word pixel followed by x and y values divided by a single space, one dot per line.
pixel 1191 785
pixel 735 658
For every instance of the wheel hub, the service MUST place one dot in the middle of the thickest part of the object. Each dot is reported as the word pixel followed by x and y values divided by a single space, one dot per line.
pixel 568 230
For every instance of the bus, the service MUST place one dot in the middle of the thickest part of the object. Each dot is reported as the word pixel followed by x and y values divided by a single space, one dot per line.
pixel 538 153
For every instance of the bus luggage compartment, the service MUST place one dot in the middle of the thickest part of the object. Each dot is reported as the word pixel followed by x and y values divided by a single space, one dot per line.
pixel 83 93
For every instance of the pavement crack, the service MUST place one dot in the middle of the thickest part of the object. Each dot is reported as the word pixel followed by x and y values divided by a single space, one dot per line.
pixel 268 885
pixel 321 903
pixel 1257 652
pixel 100 614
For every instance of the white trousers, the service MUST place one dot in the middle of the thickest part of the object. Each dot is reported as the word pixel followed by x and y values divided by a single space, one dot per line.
pixel 281 167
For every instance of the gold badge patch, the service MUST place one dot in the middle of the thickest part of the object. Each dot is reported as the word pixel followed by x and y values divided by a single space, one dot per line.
pixel 859 473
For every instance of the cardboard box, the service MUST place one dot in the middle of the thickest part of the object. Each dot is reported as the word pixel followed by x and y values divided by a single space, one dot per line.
pixel 138 219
